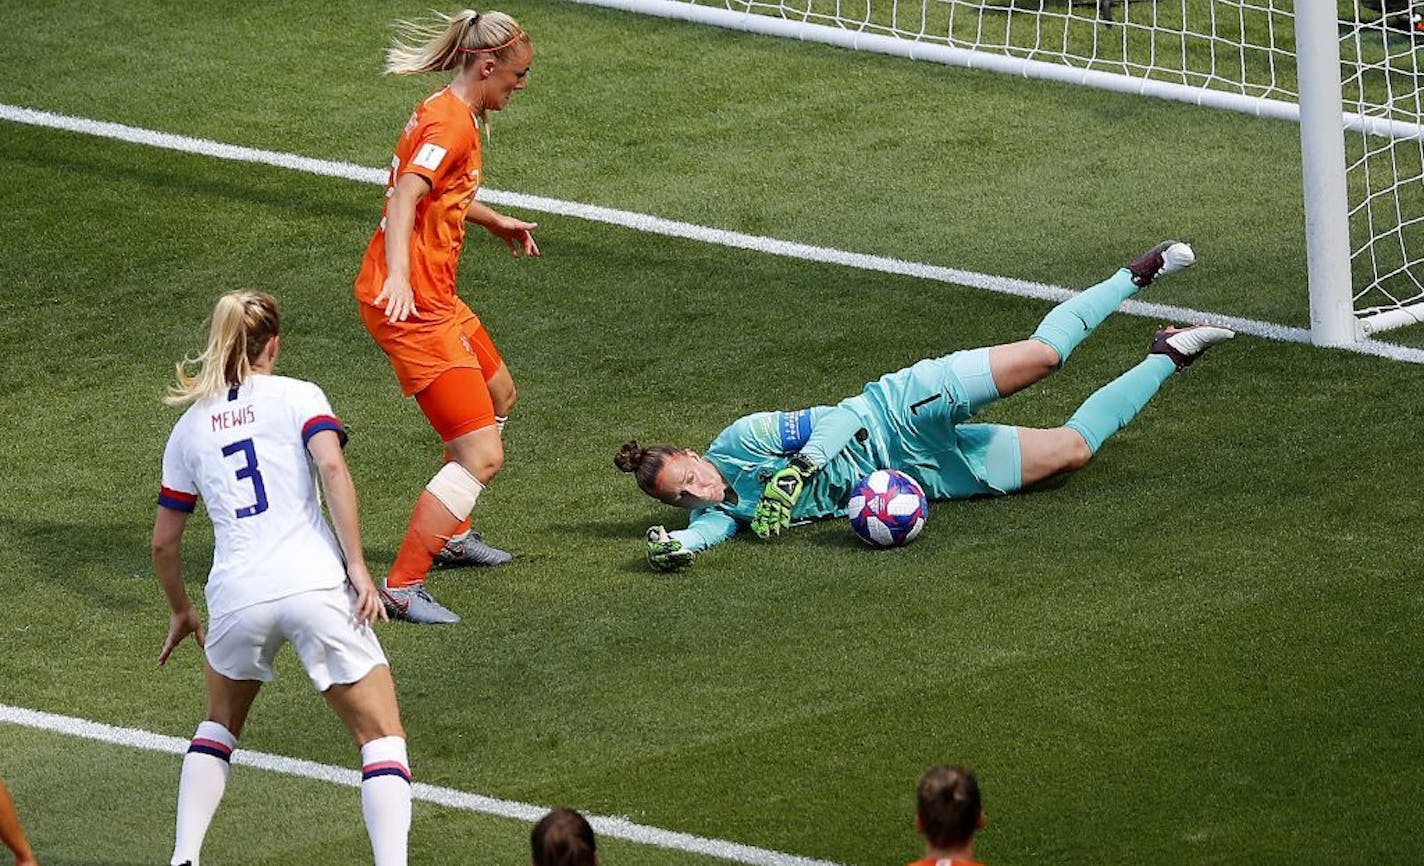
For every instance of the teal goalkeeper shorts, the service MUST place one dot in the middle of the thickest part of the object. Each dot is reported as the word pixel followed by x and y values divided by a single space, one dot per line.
pixel 922 409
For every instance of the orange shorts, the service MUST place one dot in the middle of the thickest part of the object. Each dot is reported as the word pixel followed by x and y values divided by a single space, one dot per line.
pixel 456 403
pixel 422 350
pixel 446 364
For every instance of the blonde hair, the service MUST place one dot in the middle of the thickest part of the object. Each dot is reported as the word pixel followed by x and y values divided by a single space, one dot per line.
pixel 243 323
pixel 443 42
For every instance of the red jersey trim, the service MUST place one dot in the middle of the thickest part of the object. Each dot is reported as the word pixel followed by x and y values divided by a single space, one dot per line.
pixel 177 500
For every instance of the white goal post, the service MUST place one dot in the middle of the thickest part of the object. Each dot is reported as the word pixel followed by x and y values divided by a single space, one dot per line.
pixel 1346 71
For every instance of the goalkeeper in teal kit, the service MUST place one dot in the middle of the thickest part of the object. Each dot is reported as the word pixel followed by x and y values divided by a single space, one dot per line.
pixel 770 469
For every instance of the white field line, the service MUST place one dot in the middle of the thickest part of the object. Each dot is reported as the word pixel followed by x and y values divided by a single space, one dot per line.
pixel 619 828
pixel 690 231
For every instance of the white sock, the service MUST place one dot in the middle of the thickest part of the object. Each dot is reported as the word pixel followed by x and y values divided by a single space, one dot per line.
pixel 499 422
pixel 385 799
pixel 200 788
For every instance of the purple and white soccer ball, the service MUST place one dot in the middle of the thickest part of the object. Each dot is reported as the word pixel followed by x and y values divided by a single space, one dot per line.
pixel 887 508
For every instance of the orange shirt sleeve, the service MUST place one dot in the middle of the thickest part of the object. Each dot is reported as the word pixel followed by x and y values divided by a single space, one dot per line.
pixel 437 149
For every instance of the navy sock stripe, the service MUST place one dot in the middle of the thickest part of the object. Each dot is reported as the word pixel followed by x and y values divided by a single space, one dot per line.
pixel 210 750
pixel 384 771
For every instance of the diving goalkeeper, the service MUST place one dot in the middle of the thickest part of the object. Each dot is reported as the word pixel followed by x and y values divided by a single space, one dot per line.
pixel 769 469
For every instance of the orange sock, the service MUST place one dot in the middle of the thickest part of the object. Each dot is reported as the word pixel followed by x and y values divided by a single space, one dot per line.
pixel 431 523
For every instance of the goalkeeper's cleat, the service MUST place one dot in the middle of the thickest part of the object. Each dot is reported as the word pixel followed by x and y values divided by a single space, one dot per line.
pixel 471 550
pixel 414 604
pixel 1185 345
pixel 1163 260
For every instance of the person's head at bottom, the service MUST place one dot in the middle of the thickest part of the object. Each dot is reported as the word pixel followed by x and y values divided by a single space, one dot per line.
pixel 563 838
pixel 949 812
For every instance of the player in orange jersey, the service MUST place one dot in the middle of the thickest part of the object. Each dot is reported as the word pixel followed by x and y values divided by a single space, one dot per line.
pixel 406 289
pixel 948 814
pixel 10 832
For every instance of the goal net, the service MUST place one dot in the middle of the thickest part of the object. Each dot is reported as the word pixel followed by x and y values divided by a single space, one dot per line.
pixel 1346 71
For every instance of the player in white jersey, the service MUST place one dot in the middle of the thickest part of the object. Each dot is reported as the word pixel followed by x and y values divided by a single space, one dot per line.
pixel 251 445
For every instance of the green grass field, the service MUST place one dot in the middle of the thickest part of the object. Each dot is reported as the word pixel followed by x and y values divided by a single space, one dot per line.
pixel 1203 648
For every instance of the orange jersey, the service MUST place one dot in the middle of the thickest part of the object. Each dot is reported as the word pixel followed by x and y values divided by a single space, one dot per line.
pixel 441 143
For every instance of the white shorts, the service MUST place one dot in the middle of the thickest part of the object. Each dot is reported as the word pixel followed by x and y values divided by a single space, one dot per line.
pixel 320 624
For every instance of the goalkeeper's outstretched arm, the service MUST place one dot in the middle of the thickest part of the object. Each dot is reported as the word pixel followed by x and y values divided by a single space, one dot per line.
pixel 682 478
pixel 707 528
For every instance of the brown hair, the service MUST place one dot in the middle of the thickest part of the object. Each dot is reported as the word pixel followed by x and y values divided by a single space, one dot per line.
pixel 242 324
pixel 563 838
pixel 949 806
pixel 644 463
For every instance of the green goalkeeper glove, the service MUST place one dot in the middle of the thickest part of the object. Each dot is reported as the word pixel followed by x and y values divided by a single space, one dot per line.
pixel 666 553
pixel 773 512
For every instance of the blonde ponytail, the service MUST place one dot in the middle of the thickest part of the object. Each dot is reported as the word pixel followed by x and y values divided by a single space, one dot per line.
pixel 442 42
pixel 242 324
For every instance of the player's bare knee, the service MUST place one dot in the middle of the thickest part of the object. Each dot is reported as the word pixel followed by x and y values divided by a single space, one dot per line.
pixel 1047 357
pixel 367 707
pixel 1076 452
pixel 486 463
pixel 495 458
pixel 480 453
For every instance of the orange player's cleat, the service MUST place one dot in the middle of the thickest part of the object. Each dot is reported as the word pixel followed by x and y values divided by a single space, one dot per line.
pixel 472 549
pixel 414 604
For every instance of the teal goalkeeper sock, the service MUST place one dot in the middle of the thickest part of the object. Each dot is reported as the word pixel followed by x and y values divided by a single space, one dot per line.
pixel 1115 404
pixel 1070 323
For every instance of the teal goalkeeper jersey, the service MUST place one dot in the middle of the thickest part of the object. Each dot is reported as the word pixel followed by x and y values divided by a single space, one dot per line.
pixel 756 446
pixel 911 420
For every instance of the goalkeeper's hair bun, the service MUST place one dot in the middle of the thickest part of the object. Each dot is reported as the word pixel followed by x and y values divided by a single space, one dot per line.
pixel 630 456
pixel 645 463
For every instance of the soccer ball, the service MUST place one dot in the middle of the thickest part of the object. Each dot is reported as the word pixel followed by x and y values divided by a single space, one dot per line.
pixel 887 508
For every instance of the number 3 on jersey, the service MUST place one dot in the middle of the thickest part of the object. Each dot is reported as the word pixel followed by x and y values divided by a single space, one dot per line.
pixel 249 470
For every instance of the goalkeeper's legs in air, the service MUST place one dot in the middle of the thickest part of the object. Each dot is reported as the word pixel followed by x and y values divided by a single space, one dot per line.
pixel 1046 453
pixel 1017 365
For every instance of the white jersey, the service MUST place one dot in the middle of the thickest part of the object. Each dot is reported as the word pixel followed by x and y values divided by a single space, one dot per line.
pixel 244 452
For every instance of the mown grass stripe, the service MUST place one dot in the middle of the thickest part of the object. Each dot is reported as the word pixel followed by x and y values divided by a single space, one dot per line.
pixel 689 231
